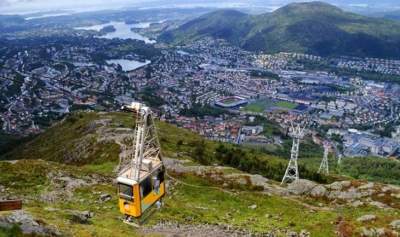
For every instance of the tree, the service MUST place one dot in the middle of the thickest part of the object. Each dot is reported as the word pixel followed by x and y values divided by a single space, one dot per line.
pixel 198 152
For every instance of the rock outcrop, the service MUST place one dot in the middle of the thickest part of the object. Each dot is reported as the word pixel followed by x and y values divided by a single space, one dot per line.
pixel 27 224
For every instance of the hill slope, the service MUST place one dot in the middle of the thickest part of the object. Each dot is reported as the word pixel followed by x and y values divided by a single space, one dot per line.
pixel 96 138
pixel 67 171
pixel 314 27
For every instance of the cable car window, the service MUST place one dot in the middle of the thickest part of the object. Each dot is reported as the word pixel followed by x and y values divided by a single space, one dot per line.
pixel 146 187
pixel 156 184
pixel 125 191
pixel 160 175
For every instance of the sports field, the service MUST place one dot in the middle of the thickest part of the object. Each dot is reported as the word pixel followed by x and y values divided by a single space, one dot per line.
pixel 260 106
pixel 230 100
pixel 286 104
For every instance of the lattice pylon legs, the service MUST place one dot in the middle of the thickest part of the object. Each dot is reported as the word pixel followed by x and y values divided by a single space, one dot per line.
pixel 324 167
pixel 292 171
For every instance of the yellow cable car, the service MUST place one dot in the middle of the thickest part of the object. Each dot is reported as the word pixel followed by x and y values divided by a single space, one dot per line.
pixel 141 176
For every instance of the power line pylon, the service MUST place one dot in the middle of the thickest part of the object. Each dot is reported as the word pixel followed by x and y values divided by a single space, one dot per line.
pixel 339 161
pixel 292 171
pixel 324 167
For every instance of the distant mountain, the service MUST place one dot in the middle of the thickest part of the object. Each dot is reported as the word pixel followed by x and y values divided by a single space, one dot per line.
pixel 314 27
pixel 10 22
pixel 392 15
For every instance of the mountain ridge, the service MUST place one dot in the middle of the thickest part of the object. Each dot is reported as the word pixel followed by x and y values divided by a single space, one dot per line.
pixel 312 27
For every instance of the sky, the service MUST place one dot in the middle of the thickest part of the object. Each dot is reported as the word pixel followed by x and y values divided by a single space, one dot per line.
pixel 31 6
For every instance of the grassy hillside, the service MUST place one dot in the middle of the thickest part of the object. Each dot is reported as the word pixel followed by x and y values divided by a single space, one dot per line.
pixel 8 142
pixel 227 24
pixel 88 139
pixel 67 169
pixel 81 140
pixel 373 168
pixel 315 28
pixel 195 205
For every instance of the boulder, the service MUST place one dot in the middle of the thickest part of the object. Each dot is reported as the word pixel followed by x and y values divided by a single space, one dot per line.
pixel 386 189
pixel 357 203
pixel 340 185
pixel 367 192
pixel 105 197
pixel 333 194
pixel 380 232
pixel 254 206
pixel 82 217
pixel 292 234
pixel 350 194
pixel 301 187
pixel 366 218
pixel 304 233
pixel 378 204
pixel 367 186
pixel 318 191
pixel 258 180
pixel 395 195
pixel 27 224
pixel 395 224
pixel 374 232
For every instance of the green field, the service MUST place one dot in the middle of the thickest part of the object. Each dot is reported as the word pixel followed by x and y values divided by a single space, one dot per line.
pixel 286 104
pixel 230 101
pixel 260 106
pixel 257 106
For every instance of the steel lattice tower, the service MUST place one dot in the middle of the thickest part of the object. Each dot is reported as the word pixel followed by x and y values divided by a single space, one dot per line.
pixel 324 167
pixel 339 161
pixel 292 171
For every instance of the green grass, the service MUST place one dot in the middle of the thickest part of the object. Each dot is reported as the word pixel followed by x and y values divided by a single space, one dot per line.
pixel 229 101
pixel 14 231
pixel 260 106
pixel 9 142
pixel 364 168
pixel 373 169
pixel 286 104
pixel 200 205
pixel 213 206
pixel 184 204
pixel 62 143
pixel 28 178
pixel 271 128
pixel 74 141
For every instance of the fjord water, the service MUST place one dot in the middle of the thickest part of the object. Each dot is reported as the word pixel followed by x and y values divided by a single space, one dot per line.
pixel 122 31
pixel 128 65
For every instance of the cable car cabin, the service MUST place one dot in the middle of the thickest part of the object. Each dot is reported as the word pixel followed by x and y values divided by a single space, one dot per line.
pixel 136 197
pixel 141 173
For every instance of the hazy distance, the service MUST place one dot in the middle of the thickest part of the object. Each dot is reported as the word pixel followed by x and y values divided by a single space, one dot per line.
pixel 32 6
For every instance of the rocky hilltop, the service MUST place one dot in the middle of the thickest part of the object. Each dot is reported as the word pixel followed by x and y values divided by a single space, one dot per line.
pixel 65 178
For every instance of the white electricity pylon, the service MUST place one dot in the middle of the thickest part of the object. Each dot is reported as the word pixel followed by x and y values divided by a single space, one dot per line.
pixel 292 171
pixel 339 159
pixel 324 167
